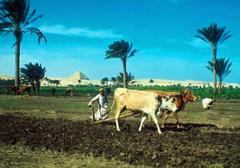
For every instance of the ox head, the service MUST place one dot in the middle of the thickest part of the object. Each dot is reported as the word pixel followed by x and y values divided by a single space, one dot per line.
pixel 188 96
pixel 168 103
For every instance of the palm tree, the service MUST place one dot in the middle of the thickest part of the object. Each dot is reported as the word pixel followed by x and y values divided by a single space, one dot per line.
pixel 129 78
pixel 151 81
pixel 214 35
pixel 222 69
pixel 114 80
pixel 104 80
pixel 33 74
pixel 79 81
pixel 123 50
pixel 57 82
pixel 16 18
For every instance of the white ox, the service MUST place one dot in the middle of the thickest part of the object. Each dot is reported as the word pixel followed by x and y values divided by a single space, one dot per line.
pixel 141 101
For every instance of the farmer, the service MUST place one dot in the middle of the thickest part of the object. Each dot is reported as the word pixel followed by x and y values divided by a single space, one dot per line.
pixel 207 103
pixel 102 105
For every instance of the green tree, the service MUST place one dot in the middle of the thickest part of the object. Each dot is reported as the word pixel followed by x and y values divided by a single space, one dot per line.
pixel 16 18
pixel 129 78
pixel 222 70
pixel 33 74
pixel 114 80
pixel 104 80
pixel 214 35
pixel 57 82
pixel 151 81
pixel 79 81
pixel 122 50
pixel 49 81
pixel 52 82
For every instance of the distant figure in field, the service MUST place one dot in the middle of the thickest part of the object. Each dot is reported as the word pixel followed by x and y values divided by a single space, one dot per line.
pixel 53 91
pixel 102 105
pixel 207 103
pixel 69 91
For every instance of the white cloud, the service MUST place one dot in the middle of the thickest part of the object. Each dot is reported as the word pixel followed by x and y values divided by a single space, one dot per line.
pixel 79 31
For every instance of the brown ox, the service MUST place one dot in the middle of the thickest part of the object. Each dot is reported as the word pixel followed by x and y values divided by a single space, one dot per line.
pixel 181 100
pixel 24 89
pixel 20 90
pixel 12 89
pixel 140 101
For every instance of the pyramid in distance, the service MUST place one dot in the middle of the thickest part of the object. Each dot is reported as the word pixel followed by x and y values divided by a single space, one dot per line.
pixel 78 76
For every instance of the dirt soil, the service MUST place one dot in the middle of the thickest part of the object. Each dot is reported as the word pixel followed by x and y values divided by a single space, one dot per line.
pixel 193 145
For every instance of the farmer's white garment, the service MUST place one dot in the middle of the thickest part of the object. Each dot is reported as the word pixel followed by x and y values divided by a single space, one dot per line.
pixel 101 112
pixel 206 102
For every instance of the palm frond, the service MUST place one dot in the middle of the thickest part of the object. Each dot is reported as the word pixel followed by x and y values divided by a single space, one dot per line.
pixel 15 16
pixel 38 32
pixel 5 26
pixel 6 32
pixel 129 48
pixel 32 20
pixel 210 66
pixel 132 53
pixel 120 49
pixel 213 34
pixel 222 67
pixel 225 36
pixel 202 38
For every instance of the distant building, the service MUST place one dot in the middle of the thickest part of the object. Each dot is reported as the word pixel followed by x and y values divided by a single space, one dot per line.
pixel 76 79
pixel 5 77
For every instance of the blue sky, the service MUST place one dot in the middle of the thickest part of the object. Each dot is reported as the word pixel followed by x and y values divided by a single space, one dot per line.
pixel 80 31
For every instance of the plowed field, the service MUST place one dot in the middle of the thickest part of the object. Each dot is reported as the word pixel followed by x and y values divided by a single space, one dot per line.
pixel 193 145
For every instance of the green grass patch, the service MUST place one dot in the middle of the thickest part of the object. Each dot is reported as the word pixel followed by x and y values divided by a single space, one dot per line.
pixel 223 113
pixel 74 108
pixel 81 90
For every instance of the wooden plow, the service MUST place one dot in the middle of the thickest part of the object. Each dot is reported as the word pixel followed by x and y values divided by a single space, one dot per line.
pixel 112 118
pixel 93 114
pixel 94 121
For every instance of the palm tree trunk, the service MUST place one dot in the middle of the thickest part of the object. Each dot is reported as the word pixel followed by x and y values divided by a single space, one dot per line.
pixel 124 73
pixel 220 86
pixel 214 51
pixel 33 86
pixel 17 58
pixel 38 83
